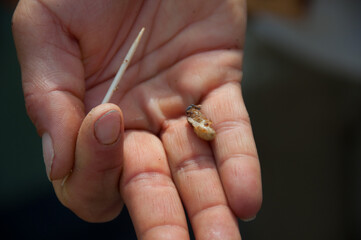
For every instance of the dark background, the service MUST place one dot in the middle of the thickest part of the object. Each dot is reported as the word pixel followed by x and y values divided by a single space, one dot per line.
pixel 302 87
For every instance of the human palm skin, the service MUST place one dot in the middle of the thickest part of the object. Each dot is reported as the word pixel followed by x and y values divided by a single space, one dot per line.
pixel 191 53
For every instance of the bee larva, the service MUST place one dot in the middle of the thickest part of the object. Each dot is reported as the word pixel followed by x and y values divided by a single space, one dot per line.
pixel 201 125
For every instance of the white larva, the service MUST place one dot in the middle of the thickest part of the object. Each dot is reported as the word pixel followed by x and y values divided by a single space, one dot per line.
pixel 202 126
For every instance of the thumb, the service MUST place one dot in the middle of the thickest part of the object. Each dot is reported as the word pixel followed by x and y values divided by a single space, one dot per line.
pixel 92 188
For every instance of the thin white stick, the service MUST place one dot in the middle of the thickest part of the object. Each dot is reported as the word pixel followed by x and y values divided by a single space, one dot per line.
pixel 123 67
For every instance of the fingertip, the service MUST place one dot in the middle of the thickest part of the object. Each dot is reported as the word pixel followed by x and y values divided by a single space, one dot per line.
pixel 101 134
pixel 246 207
pixel 244 189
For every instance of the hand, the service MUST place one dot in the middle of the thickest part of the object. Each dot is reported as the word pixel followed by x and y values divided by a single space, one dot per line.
pixel 142 150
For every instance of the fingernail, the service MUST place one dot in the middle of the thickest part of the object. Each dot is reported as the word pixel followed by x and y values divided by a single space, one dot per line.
pixel 48 153
pixel 107 128
pixel 249 219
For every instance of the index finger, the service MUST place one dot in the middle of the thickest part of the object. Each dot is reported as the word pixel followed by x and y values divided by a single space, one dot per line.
pixel 235 149
pixel 53 82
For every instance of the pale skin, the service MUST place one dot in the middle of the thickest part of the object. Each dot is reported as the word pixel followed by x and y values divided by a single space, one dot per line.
pixel 190 53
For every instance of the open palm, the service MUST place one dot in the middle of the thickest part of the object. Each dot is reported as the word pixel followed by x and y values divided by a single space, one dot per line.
pixel 191 52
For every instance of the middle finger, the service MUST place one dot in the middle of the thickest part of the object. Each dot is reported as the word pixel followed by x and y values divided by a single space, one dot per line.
pixel 148 190
pixel 195 175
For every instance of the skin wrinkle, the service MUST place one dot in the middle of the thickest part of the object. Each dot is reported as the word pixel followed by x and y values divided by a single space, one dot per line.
pixel 115 167
pixel 172 38
pixel 48 86
pixel 93 79
pixel 208 87
pixel 167 213
pixel 41 74
pixel 242 148
pixel 89 83
pixel 162 225
pixel 33 97
pixel 92 214
pixel 146 175
pixel 31 102
pixel 118 95
pixel 175 34
pixel 223 224
pixel 171 226
pixel 210 208
pixel 141 80
pixel 229 125
pixel 169 63
pixel 155 169
pixel 205 194
pixel 157 121
pixel 194 162
pixel 64 29
pixel 172 64
pixel 66 50
pixel 238 157
pixel 152 111
pixel 29 85
pixel 171 104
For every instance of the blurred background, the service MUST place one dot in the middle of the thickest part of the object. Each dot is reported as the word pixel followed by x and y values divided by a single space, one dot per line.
pixel 302 88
